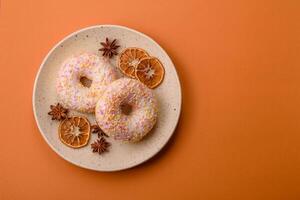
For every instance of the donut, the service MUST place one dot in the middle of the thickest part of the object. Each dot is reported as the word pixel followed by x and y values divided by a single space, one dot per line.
pixel 72 92
pixel 132 126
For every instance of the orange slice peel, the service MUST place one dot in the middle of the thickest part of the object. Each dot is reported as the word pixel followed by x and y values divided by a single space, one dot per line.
pixel 75 131
pixel 150 71
pixel 129 59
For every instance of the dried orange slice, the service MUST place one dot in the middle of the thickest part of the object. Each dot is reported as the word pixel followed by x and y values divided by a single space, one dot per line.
pixel 74 131
pixel 150 71
pixel 129 59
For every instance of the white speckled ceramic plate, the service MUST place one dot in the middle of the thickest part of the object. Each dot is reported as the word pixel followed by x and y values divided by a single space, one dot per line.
pixel 120 155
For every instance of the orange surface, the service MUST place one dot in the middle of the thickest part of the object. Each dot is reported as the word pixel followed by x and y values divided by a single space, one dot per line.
pixel 239 133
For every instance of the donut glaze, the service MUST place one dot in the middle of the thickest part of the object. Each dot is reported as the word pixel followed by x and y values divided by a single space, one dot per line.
pixel 130 127
pixel 72 93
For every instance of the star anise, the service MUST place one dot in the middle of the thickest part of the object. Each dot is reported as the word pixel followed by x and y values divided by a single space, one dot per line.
pixel 109 48
pixel 96 129
pixel 100 145
pixel 58 112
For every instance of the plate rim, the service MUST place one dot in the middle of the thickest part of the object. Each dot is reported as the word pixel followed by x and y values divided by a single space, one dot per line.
pixel 38 75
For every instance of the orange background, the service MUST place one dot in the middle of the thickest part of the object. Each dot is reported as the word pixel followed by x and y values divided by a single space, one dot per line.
pixel 239 133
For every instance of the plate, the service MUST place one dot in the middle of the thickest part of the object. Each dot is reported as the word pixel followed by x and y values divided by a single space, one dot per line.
pixel 121 155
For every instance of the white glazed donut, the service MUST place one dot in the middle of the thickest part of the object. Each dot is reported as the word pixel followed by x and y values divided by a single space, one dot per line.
pixel 127 127
pixel 72 93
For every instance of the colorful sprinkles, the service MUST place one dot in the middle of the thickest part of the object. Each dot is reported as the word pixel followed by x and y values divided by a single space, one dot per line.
pixel 71 93
pixel 139 122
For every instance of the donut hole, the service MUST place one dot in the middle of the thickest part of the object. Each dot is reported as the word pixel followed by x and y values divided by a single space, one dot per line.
pixel 126 109
pixel 86 82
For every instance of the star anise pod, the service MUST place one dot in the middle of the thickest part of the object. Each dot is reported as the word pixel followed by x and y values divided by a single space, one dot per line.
pixel 58 112
pixel 100 145
pixel 109 48
pixel 96 129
